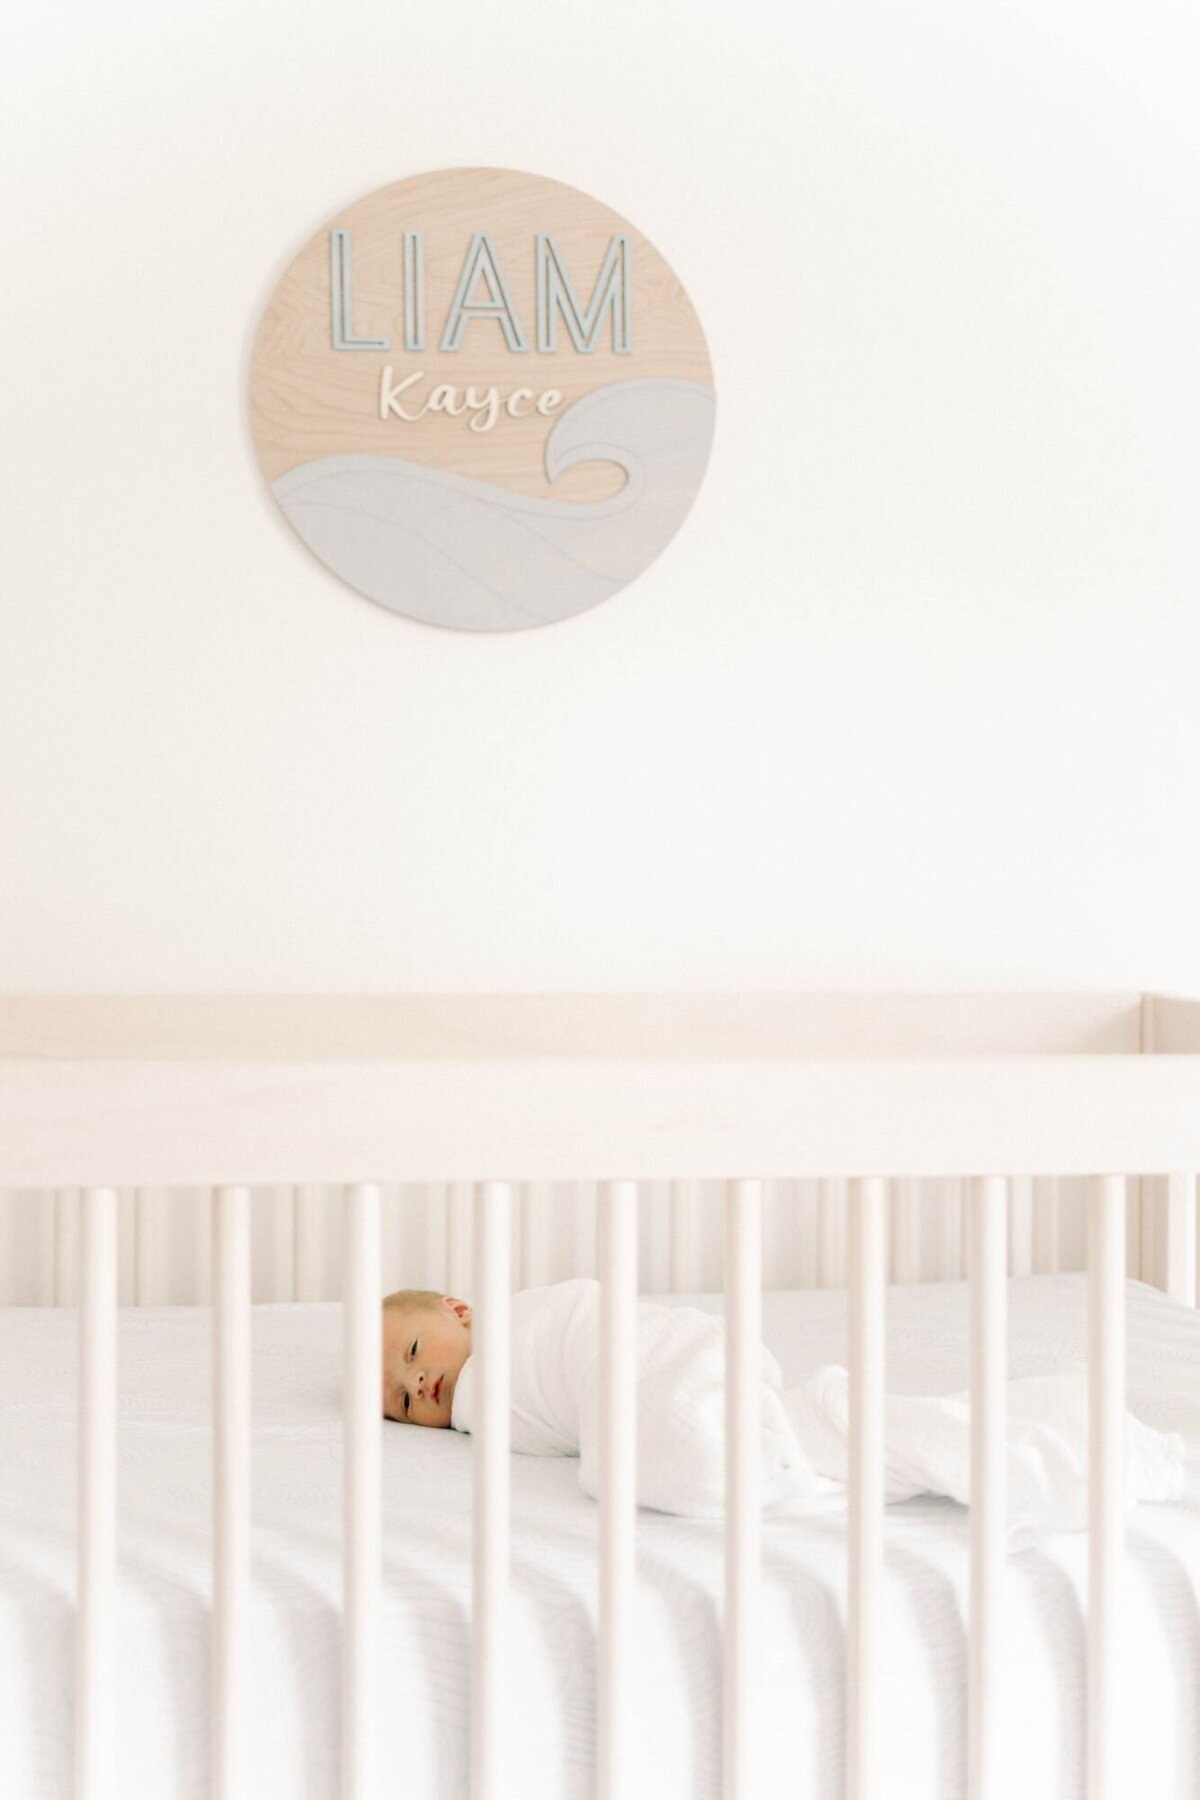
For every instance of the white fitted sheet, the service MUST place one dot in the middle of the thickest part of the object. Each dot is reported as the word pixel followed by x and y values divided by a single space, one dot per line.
pixel 163 1621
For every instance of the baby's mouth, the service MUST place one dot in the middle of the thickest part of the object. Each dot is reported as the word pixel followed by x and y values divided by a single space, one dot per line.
pixel 437 1389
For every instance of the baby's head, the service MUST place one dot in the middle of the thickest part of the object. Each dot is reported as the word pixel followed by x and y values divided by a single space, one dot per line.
pixel 426 1341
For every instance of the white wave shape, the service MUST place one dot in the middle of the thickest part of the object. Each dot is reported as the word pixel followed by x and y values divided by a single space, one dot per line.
pixel 454 551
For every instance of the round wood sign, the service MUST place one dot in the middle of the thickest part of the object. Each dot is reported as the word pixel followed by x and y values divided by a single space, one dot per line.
pixel 482 398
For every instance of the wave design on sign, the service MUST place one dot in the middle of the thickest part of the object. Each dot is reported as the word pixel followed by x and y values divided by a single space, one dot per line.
pixel 455 551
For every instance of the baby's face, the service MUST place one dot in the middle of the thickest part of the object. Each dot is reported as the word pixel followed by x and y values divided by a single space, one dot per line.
pixel 424 1348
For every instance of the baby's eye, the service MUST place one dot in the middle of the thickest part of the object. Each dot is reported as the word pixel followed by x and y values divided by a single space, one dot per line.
pixel 412 1348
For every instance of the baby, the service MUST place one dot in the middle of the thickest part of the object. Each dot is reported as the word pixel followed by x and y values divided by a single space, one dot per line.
pixel 428 1378
pixel 426 1341
pixel 803 1431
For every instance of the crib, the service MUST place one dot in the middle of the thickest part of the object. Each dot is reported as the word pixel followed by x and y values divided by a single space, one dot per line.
pixel 863 1094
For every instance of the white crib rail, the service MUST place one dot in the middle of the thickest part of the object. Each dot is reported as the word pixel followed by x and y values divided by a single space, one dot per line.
pixel 362 1536
pixel 231 1487
pixel 1106 1478
pixel 97 1536
pixel 987 1246
pixel 490 1352
pixel 867 1277
pixel 869 1203
pixel 1181 1237
pixel 743 1530
pixel 148 1094
pixel 617 1220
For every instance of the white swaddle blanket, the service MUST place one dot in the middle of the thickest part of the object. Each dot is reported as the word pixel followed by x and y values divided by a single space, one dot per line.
pixel 804 1430
pixel 680 1400
pixel 927 1447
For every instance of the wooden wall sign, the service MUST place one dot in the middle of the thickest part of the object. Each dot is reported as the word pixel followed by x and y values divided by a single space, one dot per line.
pixel 482 398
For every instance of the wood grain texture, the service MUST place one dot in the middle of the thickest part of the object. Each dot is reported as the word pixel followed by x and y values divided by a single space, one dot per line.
pixel 310 401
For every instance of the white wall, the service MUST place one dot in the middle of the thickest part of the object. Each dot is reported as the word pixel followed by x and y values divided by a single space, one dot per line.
pixel 911 699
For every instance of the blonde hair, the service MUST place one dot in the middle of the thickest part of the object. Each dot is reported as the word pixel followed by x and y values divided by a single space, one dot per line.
pixel 413 1299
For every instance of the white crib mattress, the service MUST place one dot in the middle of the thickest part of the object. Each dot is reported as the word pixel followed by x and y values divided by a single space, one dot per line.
pixel 163 1621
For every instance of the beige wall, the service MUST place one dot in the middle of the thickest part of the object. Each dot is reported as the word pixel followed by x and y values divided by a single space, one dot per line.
pixel 909 701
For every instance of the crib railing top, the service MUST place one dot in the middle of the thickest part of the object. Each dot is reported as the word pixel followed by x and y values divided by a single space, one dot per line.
pixel 743 1027
pixel 185 1089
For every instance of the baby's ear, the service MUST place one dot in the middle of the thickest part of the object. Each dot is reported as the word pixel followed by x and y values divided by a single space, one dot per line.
pixel 460 1308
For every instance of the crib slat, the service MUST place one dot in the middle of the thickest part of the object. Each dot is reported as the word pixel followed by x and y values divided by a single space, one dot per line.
pixel 743 1481
pixel 582 1215
pixel 617 1255
pixel 987 1248
pixel 791 1217
pixel 905 1233
pixel 654 1237
pixel 491 1358
pixel 459 1253
pixel 1020 1253
pixel 283 1244
pixel 1045 1225
pixel 46 1285
pixel 202 1247
pixel 149 1260
pixel 1106 1472
pixel 1152 1193
pixel 867 1273
pixel 535 1215
pixel 362 1566
pixel 66 1246
pixel 97 1499
pixel 950 1219
pixel 685 1235
pixel 1133 1228
pixel 231 1487
pixel 831 1215
pixel 307 1242
pixel 1181 1238
pixel 143 1247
